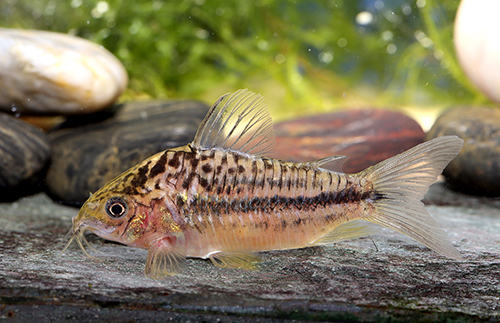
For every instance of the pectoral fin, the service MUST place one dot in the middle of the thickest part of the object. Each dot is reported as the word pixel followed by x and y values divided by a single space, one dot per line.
pixel 347 231
pixel 239 260
pixel 164 259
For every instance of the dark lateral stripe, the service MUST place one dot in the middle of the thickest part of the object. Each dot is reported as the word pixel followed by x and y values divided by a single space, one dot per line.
pixel 267 204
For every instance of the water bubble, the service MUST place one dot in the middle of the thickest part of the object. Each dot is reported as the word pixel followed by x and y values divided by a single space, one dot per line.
pixel 76 3
pixel 406 10
pixel 387 36
pixel 438 54
pixel 280 58
pixel 123 52
pixel 392 17
pixel 262 45
pixel 220 11
pixel 48 21
pixel 391 48
pixel 100 8
pixel 36 14
pixel 50 8
pixel 111 23
pixel 342 42
pixel 326 57
pixel 420 3
pixel 419 35
pixel 378 4
pixel 364 18
pixel 156 5
pixel 202 34
pixel 426 42
pixel 445 64
pixel 104 33
pixel 135 27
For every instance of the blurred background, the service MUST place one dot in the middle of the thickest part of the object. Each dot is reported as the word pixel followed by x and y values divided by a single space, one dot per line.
pixel 304 56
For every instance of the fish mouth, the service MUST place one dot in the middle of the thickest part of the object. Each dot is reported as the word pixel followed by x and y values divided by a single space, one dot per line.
pixel 78 236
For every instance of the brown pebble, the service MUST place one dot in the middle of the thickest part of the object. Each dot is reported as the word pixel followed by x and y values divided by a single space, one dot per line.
pixel 24 150
pixel 477 168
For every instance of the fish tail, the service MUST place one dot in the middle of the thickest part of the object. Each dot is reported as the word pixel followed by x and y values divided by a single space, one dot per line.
pixel 399 184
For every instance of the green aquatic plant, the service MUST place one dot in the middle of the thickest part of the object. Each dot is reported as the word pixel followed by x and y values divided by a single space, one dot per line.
pixel 309 56
pixel 433 51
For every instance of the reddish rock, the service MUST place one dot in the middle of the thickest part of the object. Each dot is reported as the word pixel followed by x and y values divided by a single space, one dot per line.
pixel 366 136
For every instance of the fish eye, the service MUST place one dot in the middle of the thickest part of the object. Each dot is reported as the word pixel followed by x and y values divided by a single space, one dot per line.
pixel 116 207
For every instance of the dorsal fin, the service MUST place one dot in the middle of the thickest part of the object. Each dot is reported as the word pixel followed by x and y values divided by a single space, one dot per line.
pixel 334 163
pixel 238 121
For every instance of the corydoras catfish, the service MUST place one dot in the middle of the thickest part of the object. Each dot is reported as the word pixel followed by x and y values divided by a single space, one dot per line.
pixel 220 198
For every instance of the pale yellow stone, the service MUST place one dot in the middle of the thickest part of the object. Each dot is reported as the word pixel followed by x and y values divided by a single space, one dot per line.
pixel 477 44
pixel 52 73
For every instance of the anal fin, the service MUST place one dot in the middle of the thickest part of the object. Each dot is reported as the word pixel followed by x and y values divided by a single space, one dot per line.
pixel 164 259
pixel 347 231
pixel 238 260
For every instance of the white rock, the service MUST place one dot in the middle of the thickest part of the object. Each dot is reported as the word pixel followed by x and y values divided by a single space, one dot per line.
pixel 477 44
pixel 51 73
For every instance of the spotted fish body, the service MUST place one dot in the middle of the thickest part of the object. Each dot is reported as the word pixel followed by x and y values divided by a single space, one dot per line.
pixel 218 198
pixel 236 202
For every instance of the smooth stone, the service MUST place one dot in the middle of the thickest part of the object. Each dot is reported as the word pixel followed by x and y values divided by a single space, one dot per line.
pixel 86 157
pixel 24 151
pixel 477 168
pixel 476 44
pixel 45 72
pixel 366 136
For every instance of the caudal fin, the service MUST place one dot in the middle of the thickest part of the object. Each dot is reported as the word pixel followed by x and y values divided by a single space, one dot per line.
pixel 400 183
